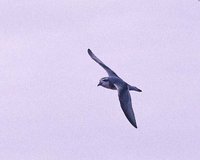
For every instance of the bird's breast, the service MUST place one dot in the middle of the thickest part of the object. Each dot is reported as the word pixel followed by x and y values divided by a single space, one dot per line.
pixel 109 85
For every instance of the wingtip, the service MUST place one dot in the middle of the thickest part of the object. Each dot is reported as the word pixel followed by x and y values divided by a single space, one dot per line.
pixel 89 50
pixel 138 90
pixel 135 125
pixel 91 54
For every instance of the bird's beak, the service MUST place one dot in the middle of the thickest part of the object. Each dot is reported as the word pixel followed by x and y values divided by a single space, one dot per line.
pixel 99 84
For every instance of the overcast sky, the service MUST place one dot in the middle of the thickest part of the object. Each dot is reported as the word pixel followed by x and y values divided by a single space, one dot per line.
pixel 50 107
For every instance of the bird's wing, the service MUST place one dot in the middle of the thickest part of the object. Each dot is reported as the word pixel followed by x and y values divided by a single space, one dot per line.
pixel 125 102
pixel 108 70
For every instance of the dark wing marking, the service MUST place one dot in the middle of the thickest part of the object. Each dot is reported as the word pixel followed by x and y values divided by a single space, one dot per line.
pixel 133 88
pixel 126 105
pixel 108 70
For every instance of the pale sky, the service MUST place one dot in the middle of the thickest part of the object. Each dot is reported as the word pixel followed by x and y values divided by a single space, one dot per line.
pixel 50 106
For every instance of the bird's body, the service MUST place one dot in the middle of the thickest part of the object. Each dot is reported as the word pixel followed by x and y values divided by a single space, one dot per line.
pixel 116 83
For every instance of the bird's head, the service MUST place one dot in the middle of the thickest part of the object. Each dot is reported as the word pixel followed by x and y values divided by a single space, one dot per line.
pixel 104 82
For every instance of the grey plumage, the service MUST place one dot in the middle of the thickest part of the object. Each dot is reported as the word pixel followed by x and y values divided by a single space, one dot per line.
pixel 115 82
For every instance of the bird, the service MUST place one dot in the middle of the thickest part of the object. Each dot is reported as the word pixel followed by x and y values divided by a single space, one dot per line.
pixel 114 82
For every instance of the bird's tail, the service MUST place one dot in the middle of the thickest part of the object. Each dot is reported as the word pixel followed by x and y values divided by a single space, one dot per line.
pixel 133 88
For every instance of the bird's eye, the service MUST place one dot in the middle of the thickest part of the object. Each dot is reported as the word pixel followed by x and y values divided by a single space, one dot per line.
pixel 105 80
